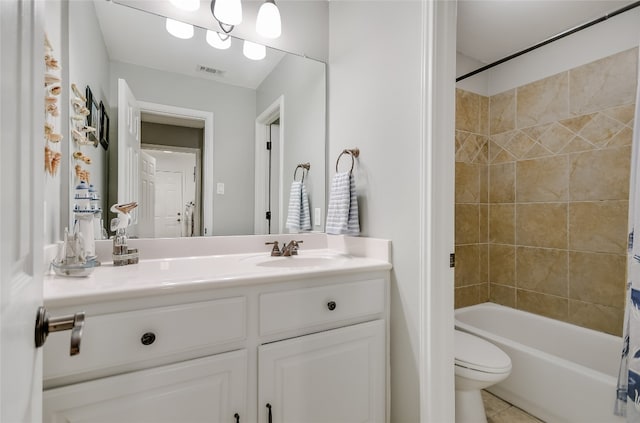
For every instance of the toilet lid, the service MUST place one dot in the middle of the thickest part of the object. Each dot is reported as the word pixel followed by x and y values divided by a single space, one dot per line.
pixel 475 353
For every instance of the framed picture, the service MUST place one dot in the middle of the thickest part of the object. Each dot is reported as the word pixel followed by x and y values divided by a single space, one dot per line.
pixel 104 126
pixel 93 120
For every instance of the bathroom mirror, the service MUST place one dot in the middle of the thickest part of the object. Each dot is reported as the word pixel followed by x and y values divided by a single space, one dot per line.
pixel 206 117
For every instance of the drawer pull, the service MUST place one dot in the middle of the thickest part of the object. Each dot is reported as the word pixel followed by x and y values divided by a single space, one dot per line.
pixel 148 338
pixel 331 305
pixel 237 417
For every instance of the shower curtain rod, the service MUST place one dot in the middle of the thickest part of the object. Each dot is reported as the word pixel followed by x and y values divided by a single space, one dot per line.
pixel 550 40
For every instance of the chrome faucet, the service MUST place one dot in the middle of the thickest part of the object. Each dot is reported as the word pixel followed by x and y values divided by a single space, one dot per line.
pixel 291 249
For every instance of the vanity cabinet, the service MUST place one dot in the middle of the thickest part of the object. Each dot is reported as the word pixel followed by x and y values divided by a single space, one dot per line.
pixel 314 349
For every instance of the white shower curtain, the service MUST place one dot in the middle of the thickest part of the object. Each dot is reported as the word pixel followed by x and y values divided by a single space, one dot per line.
pixel 628 393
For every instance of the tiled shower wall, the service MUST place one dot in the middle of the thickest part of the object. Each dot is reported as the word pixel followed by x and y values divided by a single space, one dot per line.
pixel 544 171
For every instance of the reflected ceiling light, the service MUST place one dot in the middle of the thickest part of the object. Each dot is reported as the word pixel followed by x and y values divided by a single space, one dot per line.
pixel 227 12
pixel 188 5
pixel 254 51
pixel 179 29
pixel 268 23
pixel 217 40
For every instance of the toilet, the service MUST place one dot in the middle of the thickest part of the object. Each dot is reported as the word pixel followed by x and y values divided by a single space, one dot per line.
pixel 478 365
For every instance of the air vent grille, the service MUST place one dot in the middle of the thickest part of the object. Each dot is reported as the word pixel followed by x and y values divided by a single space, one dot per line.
pixel 209 70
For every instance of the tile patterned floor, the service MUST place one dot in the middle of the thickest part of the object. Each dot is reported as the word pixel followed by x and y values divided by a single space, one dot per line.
pixel 500 411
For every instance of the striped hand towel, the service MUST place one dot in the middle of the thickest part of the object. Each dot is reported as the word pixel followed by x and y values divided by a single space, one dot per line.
pixel 342 213
pixel 298 218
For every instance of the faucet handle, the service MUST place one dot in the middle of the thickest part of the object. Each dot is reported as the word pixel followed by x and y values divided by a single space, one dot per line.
pixel 275 251
pixel 296 244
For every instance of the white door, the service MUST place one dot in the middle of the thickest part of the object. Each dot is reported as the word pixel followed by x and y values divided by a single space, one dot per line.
pixel 147 203
pixel 336 376
pixel 128 149
pixel 169 201
pixel 21 181
pixel 210 389
pixel 276 218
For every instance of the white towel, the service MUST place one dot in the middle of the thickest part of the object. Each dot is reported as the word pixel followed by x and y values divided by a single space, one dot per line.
pixel 298 218
pixel 342 214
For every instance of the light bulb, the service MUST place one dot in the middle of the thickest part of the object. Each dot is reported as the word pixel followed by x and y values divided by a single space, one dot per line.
pixel 268 23
pixel 254 51
pixel 179 29
pixel 215 40
pixel 228 11
pixel 188 5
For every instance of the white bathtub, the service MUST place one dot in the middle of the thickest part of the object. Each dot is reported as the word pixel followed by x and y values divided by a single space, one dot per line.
pixel 561 372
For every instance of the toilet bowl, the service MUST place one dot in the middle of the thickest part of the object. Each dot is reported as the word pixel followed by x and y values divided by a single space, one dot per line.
pixel 478 365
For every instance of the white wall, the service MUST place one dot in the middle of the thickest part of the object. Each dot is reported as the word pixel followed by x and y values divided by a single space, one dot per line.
pixel 375 90
pixel 617 34
pixel 478 83
pixel 233 126
pixel 302 82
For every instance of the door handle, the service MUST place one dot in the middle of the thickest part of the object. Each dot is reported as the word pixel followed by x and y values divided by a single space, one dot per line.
pixel 46 324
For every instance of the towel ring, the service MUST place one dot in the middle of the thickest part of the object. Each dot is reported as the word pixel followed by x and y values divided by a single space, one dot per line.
pixel 354 152
pixel 304 166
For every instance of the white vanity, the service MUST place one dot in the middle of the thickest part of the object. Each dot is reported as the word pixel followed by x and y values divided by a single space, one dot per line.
pixel 229 335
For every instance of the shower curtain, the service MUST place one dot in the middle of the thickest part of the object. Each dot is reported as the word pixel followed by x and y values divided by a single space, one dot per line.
pixel 628 392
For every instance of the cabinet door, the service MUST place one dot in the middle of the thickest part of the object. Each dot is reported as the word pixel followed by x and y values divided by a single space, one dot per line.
pixel 211 389
pixel 333 376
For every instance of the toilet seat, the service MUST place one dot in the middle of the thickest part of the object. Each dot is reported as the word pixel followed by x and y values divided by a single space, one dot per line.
pixel 478 354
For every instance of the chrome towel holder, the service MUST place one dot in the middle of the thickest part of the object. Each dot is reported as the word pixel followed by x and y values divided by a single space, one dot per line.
pixel 353 152
pixel 303 166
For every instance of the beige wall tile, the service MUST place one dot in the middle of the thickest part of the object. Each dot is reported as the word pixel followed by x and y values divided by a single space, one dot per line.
pixel 545 179
pixel 502 222
pixel 502 264
pixel 600 130
pixel 467 224
pixel 483 223
pixel 484 183
pixel 467 111
pixel 622 138
pixel 484 262
pixel 599 227
pixel 604 83
pixel 500 294
pixel 467 183
pixel 577 144
pixel 469 295
pixel 467 270
pixel 623 114
pixel 502 112
pixel 556 137
pixel 484 116
pixel 543 101
pixel 542 270
pixel 575 124
pixel 543 304
pixel 502 183
pixel 541 225
pixel 600 174
pixel 597 317
pixel 597 278
pixel 520 144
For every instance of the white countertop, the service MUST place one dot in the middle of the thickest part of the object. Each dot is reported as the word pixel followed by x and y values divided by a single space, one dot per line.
pixel 184 274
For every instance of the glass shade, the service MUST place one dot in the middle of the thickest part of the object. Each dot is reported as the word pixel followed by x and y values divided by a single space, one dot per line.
pixel 268 23
pixel 188 5
pixel 179 29
pixel 254 51
pixel 228 11
pixel 215 39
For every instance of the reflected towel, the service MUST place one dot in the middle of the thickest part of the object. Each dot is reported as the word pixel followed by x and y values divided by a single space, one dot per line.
pixel 298 218
pixel 342 213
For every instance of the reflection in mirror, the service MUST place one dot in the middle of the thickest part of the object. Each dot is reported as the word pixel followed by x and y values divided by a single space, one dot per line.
pixel 189 140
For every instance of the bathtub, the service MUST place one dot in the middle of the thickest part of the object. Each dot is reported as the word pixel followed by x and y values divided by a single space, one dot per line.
pixel 561 372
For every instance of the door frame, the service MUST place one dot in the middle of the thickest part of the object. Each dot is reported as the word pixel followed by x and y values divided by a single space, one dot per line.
pixel 274 111
pixel 207 163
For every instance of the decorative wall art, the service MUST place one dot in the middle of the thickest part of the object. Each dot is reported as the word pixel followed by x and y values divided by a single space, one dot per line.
pixel 104 126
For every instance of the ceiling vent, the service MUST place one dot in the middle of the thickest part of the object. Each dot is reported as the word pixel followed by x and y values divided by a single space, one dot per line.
pixel 209 70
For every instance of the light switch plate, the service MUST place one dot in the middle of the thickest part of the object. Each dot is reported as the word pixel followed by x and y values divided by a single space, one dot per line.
pixel 220 188
pixel 317 216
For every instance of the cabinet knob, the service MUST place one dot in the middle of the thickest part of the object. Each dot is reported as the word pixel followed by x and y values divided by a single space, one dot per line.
pixel 148 338
pixel 46 324
pixel 331 305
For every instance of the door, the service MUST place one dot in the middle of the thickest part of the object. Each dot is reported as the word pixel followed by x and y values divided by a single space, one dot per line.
pixel 333 376
pixel 128 150
pixel 169 201
pixel 22 212
pixel 274 179
pixel 210 389
pixel 147 195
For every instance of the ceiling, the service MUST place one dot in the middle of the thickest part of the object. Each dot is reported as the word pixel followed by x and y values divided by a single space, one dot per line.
pixel 489 30
pixel 140 38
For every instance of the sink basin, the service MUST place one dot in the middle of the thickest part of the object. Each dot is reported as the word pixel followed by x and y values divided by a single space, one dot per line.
pixel 297 262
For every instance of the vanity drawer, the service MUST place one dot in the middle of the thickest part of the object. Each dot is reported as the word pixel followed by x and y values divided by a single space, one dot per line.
pixel 301 308
pixel 138 336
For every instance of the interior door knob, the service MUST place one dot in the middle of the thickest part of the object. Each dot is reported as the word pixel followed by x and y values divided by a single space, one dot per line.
pixel 46 324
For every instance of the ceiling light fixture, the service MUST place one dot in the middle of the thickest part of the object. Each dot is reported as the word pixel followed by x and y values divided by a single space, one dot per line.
pixel 228 13
pixel 217 40
pixel 179 29
pixel 254 51
pixel 188 5
pixel 268 23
